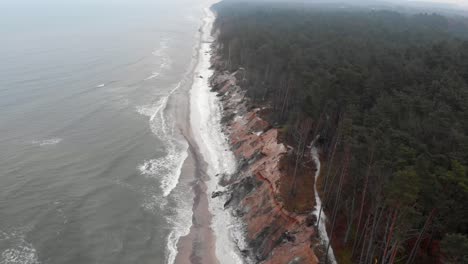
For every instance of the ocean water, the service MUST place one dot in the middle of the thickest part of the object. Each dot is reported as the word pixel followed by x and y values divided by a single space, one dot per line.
pixel 90 153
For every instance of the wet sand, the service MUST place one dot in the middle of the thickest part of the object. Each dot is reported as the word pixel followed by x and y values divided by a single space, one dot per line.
pixel 198 247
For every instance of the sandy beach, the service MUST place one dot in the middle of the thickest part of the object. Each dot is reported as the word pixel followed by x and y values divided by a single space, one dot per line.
pixel 199 245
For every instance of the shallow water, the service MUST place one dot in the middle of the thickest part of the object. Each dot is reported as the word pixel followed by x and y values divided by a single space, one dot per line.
pixel 90 155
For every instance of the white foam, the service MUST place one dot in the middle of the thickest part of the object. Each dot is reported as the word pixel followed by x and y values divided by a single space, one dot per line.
pixel 178 217
pixel 47 142
pixel 163 45
pixel 318 205
pixel 153 202
pixel 19 251
pixel 153 109
pixel 168 167
pixel 162 55
pixel 181 223
pixel 205 120
pixel 100 85
pixel 22 254
pixel 152 76
pixel 168 170
pixel 166 63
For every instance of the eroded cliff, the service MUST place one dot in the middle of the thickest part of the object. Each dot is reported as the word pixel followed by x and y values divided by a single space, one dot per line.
pixel 279 225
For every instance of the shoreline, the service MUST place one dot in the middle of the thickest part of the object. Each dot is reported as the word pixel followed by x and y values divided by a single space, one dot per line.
pixel 236 159
pixel 183 245
pixel 274 233
pixel 197 247
pixel 205 119
pixel 202 245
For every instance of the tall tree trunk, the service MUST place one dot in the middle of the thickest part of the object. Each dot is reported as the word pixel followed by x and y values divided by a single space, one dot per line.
pixel 299 155
pixel 337 200
pixel 329 165
pixel 264 80
pixel 364 192
pixel 375 224
pixel 365 235
pixel 228 63
pixel 390 233
pixel 350 221
pixel 286 98
pixel 387 227
pixel 394 253
pixel 418 241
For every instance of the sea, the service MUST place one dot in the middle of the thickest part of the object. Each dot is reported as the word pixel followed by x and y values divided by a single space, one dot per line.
pixel 91 150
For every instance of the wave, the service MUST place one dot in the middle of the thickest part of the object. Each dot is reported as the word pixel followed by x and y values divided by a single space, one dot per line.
pixel 168 167
pixel 47 142
pixel 161 53
pixel 181 222
pixel 152 76
pixel 19 250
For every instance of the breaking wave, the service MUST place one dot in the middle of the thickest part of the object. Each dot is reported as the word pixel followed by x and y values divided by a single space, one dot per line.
pixel 18 250
pixel 181 222
pixel 168 167
pixel 47 142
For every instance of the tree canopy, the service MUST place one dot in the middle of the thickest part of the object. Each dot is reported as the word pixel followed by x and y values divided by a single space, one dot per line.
pixel 391 87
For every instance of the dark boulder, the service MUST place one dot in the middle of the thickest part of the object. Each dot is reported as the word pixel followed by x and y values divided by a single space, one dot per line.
pixel 216 194
pixel 311 220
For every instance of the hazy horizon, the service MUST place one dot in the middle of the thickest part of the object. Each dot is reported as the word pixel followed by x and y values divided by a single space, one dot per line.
pixel 454 3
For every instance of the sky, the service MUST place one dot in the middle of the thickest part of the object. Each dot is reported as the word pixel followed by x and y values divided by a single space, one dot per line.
pixel 460 3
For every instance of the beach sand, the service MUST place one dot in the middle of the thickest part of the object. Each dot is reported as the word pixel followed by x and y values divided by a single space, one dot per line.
pixel 199 246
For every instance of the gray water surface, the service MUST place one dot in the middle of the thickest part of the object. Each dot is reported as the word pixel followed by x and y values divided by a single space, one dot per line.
pixel 84 159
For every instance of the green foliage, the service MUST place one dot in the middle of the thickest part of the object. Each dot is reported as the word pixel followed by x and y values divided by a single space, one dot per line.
pixel 344 256
pixel 403 189
pixel 395 85
pixel 455 247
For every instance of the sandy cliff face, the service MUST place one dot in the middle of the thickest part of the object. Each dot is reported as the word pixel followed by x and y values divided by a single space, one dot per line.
pixel 274 234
